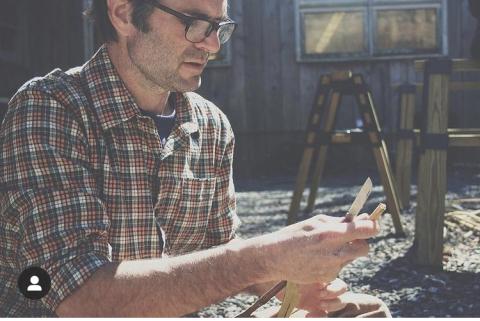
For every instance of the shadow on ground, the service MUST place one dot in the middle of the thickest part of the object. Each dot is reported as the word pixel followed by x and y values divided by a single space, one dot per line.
pixel 424 292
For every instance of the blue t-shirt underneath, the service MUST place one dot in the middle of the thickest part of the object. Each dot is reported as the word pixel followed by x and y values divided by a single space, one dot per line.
pixel 164 124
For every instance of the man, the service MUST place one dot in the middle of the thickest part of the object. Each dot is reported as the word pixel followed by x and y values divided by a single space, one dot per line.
pixel 132 214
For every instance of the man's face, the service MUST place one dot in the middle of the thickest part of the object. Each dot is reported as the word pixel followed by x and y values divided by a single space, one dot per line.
pixel 163 55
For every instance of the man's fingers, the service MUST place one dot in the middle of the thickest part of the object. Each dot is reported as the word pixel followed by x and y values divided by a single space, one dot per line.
pixel 328 219
pixel 353 250
pixel 347 232
pixel 333 305
pixel 325 306
pixel 317 314
pixel 364 216
pixel 333 289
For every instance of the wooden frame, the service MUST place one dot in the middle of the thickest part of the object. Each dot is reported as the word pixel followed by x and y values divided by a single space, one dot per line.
pixel 434 139
pixel 320 134
pixel 371 7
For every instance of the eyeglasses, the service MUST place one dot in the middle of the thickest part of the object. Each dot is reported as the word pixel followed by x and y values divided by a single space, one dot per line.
pixel 198 29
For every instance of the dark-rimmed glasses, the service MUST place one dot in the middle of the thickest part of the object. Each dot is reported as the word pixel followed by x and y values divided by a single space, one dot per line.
pixel 197 29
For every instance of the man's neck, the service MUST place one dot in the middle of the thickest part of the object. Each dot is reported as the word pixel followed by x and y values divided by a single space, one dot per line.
pixel 147 95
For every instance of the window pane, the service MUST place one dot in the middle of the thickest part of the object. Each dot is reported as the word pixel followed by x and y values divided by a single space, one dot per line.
pixel 334 32
pixel 407 30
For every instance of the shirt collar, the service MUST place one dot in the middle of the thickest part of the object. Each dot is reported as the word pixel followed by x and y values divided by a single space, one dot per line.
pixel 113 102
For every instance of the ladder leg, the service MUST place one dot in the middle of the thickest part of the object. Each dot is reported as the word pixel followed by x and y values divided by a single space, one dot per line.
pixel 303 171
pixel 329 123
pixel 380 152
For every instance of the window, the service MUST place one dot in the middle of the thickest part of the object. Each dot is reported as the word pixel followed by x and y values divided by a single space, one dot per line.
pixel 370 29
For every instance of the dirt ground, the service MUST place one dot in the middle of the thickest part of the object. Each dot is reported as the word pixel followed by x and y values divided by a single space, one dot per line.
pixel 388 272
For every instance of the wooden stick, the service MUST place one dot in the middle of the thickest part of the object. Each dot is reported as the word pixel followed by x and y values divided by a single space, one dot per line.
pixel 262 300
pixel 290 301
pixel 378 212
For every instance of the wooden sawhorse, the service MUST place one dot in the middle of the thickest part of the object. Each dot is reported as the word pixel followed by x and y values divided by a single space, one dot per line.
pixel 434 138
pixel 320 133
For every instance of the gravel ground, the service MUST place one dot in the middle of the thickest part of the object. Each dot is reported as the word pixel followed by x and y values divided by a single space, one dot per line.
pixel 388 272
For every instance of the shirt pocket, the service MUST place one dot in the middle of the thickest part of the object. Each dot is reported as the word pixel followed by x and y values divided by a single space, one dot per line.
pixel 183 211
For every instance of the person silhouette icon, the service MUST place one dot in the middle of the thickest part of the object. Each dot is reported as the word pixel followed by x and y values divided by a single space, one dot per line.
pixel 34 284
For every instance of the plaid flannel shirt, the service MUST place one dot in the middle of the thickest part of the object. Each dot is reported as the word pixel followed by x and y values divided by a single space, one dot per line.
pixel 85 180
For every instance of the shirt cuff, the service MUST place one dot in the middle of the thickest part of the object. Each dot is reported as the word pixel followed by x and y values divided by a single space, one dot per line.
pixel 71 276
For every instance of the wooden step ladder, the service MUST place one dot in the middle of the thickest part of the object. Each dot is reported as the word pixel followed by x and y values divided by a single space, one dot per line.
pixel 320 135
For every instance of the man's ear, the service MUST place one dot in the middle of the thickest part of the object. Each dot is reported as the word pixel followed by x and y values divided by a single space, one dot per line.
pixel 119 13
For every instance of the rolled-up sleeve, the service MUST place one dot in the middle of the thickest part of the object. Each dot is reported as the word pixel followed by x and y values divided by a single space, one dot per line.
pixel 50 213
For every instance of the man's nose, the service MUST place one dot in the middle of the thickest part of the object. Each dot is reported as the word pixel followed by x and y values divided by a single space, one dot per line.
pixel 211 44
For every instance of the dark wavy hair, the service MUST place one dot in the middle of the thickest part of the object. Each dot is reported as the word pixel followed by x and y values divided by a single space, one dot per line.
pixel 98 13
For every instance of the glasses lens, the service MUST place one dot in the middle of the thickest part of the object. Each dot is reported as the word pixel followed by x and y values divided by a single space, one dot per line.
pixel 225 32
pixel 198 30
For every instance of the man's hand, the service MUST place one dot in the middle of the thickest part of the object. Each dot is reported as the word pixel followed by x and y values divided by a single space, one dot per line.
pixel 320 299
pixel 315 250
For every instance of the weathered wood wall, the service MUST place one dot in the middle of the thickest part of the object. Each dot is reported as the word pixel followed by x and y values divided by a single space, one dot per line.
pixel 267 94
pixel 53 39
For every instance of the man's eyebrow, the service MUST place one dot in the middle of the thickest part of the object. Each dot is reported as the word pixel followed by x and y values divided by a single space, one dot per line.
pixel 198 14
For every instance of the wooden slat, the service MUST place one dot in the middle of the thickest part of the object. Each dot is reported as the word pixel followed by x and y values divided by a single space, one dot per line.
pixel 454 86
pixel 458 65
pixel 458 140
pixel 467 219
pixel 403 164
pixel 457 137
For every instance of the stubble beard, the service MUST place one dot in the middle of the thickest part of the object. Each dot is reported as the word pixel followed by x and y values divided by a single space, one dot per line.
pixel 159 65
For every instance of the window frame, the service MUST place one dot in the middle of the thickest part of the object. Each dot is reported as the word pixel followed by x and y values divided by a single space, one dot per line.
pixel 371 7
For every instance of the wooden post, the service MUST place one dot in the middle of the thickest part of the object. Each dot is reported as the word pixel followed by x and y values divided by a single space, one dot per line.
pixel 432 177
pixel 405 143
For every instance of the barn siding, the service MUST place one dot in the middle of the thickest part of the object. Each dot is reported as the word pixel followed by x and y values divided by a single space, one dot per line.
pixel 54 39
pixel 273 93
pixel 266 94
